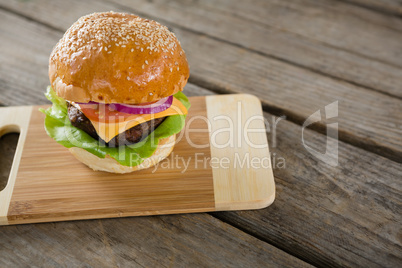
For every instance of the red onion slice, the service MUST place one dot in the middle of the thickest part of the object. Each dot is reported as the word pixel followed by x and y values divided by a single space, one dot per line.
pixel 152 108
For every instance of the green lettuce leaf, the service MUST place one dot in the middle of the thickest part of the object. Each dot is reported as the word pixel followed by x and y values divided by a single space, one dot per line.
pixel 58 126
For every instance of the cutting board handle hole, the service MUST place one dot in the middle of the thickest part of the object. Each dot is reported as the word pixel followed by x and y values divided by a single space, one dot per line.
pixel 8 143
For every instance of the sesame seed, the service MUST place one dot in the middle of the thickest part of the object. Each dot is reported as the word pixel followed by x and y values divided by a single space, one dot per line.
pixel 171 69
pixel 102 30
pixel 150 93
pixel 132 50
pixel 178 68
pixel 109 52
pixel 143 66
pixel 146 62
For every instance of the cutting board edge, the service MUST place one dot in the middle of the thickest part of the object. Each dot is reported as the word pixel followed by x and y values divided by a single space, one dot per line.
pixel 246 205
pixel 14 119
pixel 72 217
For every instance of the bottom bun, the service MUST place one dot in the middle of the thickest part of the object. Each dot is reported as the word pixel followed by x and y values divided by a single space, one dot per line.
pixel 109 164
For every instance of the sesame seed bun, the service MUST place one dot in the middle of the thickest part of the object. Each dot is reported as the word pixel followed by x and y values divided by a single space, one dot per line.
pixel 117 58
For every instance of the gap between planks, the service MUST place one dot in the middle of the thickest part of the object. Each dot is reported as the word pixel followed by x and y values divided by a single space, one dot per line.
pixel 21 15
pixel 259 237
pixel 246 230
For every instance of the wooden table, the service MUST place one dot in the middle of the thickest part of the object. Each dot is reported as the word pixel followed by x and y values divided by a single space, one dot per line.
pixel 297 56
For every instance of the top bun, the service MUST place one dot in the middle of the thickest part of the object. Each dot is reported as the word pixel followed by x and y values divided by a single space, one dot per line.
pixel 117 58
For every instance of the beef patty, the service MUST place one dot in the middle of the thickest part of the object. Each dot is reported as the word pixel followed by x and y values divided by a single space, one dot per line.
pixel 130 136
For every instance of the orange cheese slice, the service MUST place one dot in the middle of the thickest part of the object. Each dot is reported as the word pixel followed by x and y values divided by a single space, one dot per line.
pixel 109 130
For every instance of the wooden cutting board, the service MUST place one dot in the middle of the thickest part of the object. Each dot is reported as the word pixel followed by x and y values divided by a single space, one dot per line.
pixel 216 165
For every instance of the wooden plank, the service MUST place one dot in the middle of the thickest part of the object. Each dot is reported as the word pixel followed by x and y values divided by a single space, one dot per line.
pixel 197 240
pixel 366 119
pixel 247 30
pixel 24 60
pixel 255 26
pixel 393 7
pixel 344 216
pixel 329 22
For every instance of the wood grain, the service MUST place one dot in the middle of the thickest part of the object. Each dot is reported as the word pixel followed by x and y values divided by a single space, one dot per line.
pixel 257 26
pixel 393 7
pixel 253 30
pixel 164 241
pixel 344 216
pixel 242 172
pixel 330 22
pixel 24 60
pixel 366 119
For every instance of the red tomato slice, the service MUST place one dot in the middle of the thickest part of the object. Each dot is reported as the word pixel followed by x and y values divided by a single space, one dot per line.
pixel 102 113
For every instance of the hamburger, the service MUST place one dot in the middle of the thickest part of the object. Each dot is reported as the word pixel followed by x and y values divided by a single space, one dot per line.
pixel 115 84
